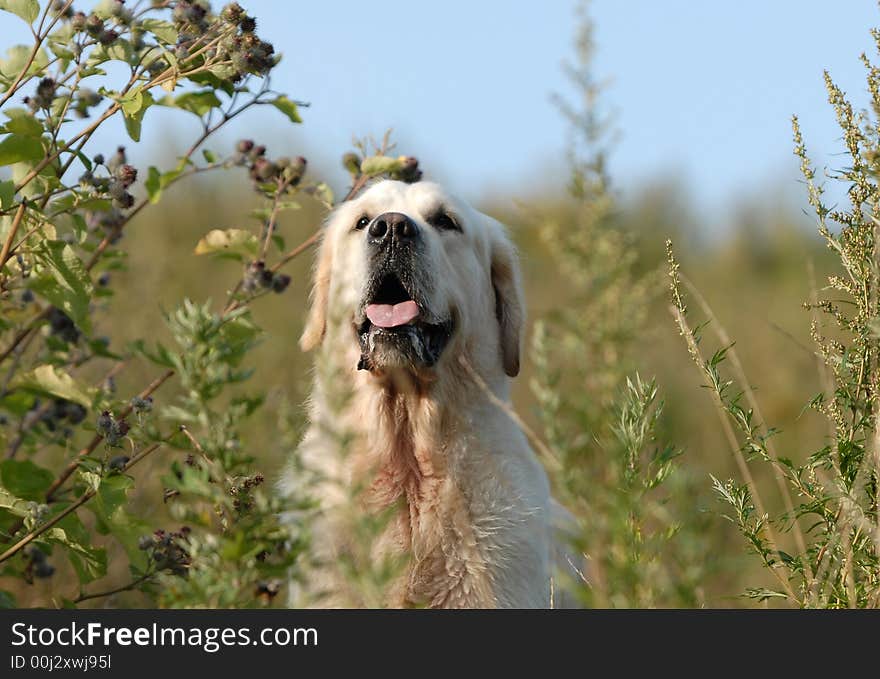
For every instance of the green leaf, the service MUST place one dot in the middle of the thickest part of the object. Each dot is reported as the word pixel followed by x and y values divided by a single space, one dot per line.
pixel 163 30
pixel 763 594
pixel 156 181
pixel 90 563
pixel 212 81
pixel 324 193
pixel 195 102
pixel 28 10
pixel 60 41
pixel 120 50
pixel 22 121
pixel 209 156
pixel 287 107
pixel 12 504
pixel 25 479
pixel 109 507
pixel 153 185
pixel 52 381
pixel 7 194
pixel 18 149
pixel 231 241
pixel 134 106
pixel 64 282
pixel 112 493
pixel 17 57
pixel 162 356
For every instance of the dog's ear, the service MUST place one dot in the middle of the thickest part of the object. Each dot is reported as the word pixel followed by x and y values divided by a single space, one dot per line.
pixel 509 298
pixel 316 321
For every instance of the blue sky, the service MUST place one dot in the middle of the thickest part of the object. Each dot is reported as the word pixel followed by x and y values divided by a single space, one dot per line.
pixel 703 91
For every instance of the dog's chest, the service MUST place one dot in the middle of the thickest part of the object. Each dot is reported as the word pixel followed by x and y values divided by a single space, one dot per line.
pixel 435 529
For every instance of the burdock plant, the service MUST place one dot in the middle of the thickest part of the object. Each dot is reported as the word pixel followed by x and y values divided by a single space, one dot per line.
pixel 71 444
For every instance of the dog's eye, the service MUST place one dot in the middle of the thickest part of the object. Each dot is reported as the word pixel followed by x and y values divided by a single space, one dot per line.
pixel 362 222
pixel 443 222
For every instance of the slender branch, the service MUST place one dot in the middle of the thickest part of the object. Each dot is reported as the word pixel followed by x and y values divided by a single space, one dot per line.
pixel 14 367
pixel 124 588
pixel 280 187
pixel 358 184
pixel 6 252
pixel 23 334
pixel 298 250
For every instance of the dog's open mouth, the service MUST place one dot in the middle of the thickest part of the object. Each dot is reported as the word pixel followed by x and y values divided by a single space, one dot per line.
pixel 391 305
pixel 396 330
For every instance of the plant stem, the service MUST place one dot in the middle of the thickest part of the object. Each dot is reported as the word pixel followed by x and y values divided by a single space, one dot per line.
pixel 124 588
pixel 6 252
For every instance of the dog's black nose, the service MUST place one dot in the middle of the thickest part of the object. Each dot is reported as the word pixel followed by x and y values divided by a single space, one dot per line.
pixel 392 226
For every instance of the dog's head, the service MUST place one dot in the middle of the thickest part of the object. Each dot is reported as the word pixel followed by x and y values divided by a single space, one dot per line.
pixel 410 275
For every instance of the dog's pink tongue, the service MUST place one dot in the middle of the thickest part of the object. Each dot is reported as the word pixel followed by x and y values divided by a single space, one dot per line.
pixel 392 315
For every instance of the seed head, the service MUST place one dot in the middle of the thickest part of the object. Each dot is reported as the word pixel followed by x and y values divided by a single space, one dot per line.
pixel 104 425
pixel 126 174
pixel 58 9
pixel 263 170
pixel 108 36
pixel 78 21
pixel 280 282
pixel 75 413
pixel 232 13
pixel 44 569
pixel 118 462
pixel 142 405
pixel 124 202
pixel 61 326
pixel 409 171
pixel 94 25
pixel 294 172
pixel 352 162
pixel 120 428
pixel 45 94
pixel 36 554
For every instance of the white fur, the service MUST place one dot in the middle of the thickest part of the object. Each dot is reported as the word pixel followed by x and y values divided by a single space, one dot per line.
pixel 473 508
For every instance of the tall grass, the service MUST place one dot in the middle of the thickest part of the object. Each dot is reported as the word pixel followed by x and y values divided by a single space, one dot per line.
pixel 598 415
pixel 823 547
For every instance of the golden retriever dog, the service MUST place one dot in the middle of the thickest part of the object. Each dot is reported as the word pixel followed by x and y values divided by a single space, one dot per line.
pixel 415 293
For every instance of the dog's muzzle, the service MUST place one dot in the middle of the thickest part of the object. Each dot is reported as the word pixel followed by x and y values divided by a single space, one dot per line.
pixel 396 327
